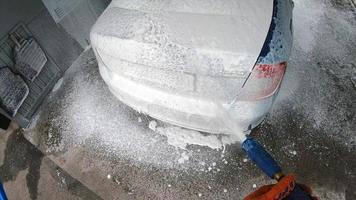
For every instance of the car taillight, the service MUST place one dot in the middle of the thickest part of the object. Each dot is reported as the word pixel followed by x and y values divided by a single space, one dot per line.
pixel 263 81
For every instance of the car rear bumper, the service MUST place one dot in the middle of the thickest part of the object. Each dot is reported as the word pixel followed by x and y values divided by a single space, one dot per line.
pixel 192 112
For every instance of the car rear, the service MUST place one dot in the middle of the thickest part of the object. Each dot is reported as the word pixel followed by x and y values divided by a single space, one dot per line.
pixel 173 59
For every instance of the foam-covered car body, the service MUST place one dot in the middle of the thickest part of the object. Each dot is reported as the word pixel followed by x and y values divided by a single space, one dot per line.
pixel 171 59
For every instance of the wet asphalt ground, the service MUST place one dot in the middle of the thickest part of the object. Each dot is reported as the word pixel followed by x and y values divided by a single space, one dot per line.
pixel 311 131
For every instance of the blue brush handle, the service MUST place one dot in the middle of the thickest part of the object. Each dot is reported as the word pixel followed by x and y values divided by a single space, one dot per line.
pixel 2 193
pixel 261 157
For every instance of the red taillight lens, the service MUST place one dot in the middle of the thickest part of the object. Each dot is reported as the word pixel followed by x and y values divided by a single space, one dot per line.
pixel 263 81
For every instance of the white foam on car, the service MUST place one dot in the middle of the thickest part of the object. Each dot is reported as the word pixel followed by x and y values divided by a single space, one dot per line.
pixel 208 38
pixel 140 31
pixel 169 58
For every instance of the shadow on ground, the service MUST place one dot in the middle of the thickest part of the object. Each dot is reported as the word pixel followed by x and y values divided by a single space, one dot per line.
pixel 21 155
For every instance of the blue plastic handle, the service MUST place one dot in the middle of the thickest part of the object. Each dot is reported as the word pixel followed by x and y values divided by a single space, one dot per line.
pixel 2 193
pixel 261 157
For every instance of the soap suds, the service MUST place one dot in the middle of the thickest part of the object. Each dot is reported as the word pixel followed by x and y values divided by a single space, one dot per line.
pixel 181 138
pixel 91 117
pixel 139 119
pixel 293 152
pixel 152 125
pixel 184 157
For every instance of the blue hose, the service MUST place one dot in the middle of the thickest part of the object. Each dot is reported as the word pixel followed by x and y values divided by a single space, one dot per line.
pixel 261 157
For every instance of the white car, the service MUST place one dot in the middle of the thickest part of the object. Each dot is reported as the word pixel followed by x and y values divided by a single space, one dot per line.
pixel 171 59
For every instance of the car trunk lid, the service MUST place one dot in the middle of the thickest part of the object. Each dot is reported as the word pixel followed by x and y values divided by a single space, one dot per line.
pixel 216 42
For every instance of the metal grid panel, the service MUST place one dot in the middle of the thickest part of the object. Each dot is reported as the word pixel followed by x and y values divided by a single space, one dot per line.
pixel 39 87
